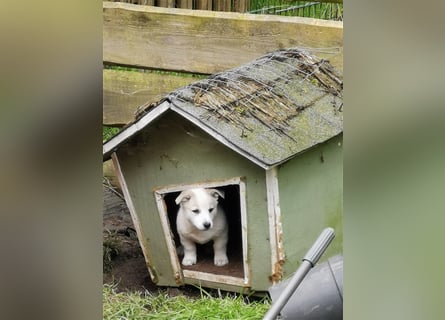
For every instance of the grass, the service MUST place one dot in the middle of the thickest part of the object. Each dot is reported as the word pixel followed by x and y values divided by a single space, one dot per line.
pixel 146 305
pixel 164 72
pixel 311 9
pixel 108 132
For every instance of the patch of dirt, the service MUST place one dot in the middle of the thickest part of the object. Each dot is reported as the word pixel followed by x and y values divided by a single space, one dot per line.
pixel 127 268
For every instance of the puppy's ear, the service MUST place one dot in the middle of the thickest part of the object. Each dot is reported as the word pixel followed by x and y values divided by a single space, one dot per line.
pixel 184 196
pixel 216 193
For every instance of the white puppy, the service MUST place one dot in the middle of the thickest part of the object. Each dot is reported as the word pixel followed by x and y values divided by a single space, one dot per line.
pixel 200 220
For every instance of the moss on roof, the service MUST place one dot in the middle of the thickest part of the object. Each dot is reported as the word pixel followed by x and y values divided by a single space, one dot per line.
pixel 270 109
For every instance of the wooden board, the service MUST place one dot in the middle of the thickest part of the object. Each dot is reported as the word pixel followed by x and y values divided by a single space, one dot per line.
pixel 185 4
pixel 143 240
pixel 166 3
pixel 208 42
pixel 108 173
pixel 316 174
pixel 125 91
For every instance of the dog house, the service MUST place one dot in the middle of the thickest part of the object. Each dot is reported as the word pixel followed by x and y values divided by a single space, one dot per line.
pixel 269 134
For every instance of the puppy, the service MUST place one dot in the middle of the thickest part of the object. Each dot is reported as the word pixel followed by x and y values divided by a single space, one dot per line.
pixel 200 220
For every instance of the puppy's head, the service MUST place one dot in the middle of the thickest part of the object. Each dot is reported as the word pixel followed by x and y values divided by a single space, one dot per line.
pixel 200 206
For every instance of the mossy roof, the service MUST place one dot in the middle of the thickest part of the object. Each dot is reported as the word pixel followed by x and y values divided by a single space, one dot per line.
pixel 268 110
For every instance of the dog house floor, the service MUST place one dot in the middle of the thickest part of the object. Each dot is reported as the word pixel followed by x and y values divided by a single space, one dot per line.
pixel 205 264
pixel 233 269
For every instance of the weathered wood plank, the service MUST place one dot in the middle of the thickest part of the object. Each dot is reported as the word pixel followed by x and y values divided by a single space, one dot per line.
pixel 135 218
pixel 208 42
pixel 218 5
pixel 166 3
pixel 108 172
pixel 125 91
pixel 242 5
pixel 204 4
pixel 185 4
pixel 228 5
pixel 225 5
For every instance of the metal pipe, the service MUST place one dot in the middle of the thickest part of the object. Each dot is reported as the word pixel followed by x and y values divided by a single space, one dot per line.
pixel 309 260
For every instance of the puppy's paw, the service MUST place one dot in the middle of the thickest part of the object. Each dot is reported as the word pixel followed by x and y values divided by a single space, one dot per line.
pixel 188 261
pixel 221 260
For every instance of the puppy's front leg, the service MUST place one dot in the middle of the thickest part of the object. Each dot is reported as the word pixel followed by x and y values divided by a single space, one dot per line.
pixel 220 248
pixel 189 252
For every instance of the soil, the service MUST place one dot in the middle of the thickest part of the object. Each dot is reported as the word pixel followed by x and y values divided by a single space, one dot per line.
pixel 128 270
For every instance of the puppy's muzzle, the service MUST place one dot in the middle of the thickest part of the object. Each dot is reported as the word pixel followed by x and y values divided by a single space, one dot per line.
pixel 207 225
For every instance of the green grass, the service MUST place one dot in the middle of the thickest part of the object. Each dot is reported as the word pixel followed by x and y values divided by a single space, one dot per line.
pixel 109 132
pixel 164 72
pixel 145 305
pixel 310 9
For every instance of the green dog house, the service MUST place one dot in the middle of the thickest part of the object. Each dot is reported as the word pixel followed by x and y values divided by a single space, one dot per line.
pixel 269 134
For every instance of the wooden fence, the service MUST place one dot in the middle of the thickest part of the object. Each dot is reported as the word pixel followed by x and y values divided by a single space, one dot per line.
pixel 212 5
pixel 183 43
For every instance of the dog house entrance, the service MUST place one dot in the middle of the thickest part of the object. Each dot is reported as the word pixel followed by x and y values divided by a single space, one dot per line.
pixel 234 205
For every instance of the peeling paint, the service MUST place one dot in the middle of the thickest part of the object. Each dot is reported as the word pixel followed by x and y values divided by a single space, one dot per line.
pixel 277 274
pixel 178 278
pixel 275 227
pixel 153 274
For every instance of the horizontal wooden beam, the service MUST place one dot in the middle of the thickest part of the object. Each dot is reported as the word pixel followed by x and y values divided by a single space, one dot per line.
pixel 124 91
pixel 207 42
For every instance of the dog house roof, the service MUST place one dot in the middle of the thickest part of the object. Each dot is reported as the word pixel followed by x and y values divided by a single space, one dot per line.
pixel 268 110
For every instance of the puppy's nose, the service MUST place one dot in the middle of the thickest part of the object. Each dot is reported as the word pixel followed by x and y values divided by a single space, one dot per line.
pixel 207 225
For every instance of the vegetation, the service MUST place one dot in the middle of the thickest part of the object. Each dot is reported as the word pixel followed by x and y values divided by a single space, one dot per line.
pixel 145 305
pixel 164 72
pixel 109 132
pixel 310 9
pixel 110 248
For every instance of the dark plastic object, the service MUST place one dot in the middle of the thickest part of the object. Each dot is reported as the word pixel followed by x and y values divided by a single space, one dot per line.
pixel 309 260
pixel 287 292
pixel 319 296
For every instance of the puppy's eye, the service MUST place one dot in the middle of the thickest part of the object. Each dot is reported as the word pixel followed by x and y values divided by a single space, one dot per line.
pixel 211 209
pixel 195 211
